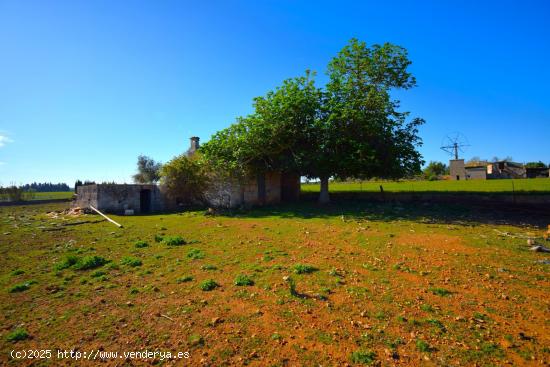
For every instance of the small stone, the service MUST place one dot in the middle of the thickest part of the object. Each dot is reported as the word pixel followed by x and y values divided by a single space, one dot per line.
pixel 129 304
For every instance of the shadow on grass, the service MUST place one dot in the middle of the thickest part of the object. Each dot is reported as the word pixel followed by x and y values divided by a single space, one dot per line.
pixel 441 213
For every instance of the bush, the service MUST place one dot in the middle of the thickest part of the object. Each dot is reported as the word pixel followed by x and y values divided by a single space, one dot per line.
pixel 422 346
pixel 363 356
pixel 21 287
pixel 440 291
pixel 131 261
pixel 17 334
pixel 304 269
pixel 98 273
pixel 67 262
pixel 184 279
pixel 243 280
pixel 195 254
pixel 158 238
pixel 185 179
pixel 141 244
pixel 173 241
pixel 89 262
pixel 17 272
pixel 208 285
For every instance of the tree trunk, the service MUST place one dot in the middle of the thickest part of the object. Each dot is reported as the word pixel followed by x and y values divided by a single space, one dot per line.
pixel 323 195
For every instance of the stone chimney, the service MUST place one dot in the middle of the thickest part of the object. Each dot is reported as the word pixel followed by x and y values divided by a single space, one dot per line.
pixel 194 145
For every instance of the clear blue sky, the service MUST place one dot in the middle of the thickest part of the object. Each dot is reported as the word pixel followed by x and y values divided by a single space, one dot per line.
pixel 86 86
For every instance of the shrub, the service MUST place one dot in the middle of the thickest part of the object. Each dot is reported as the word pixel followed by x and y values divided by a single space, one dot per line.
pixel 17 272
pixel 21 287
pixel 209 285
pixel 17 334
pixel 243 280
pixel 67 262
pixel 195 254
pixel 89 262
pixel 141 244
pixel 158 238
pixel 363 357
pixel 98 273
pixel 185 179
pixel 292 287
pixel 173 241
pixel 422 346
pixel 304 269
pixel 184 279
pixel 131 261
pixel 440 291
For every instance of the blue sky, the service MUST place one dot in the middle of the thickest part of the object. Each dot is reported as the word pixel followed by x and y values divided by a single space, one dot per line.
pixel 86 86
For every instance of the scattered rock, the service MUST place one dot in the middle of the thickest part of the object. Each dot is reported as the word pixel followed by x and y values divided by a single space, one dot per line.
pixel 544 262
pixel 129 304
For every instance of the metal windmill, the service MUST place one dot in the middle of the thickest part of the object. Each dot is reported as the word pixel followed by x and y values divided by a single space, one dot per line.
pixel 454 143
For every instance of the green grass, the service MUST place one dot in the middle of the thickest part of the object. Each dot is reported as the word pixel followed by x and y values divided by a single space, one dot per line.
pixel 363 357
pixel 173 241
pixel 90 262
pixel 304 269
pixel 131 261
pixel 208 285
pixel 141 244
pixel 21 287
pixel 17 335
pixel 243 280
pixel 496 186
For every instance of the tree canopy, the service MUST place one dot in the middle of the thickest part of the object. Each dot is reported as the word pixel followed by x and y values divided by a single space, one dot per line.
pixel 351 128
pixel 148 170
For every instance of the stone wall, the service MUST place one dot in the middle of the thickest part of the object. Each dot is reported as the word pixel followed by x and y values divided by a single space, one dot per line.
pixel 86 196
pixel 290 187
pixel 457 169
pixel 116 198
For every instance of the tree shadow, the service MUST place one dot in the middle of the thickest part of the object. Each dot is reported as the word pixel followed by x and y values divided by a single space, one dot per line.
pixel 425 212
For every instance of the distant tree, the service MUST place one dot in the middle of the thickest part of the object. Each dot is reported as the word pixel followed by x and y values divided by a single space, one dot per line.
pixel 538 164
pixel 185 179
pixel 45 187
pixel 76 184
pixel 148 170
pixel 435 169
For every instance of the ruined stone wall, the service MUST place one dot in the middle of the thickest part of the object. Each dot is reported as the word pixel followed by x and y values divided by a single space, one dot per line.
pixel 113 198
pixel 230 193
pixel 223 193
pixel 272 187
pixel 290 187
pixel 86 196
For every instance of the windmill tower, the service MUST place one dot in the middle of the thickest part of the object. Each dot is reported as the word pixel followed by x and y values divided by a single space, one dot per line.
pixel 453 144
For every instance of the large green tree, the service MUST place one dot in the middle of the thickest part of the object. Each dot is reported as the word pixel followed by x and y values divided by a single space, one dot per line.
pixel 351 128
pixel 361 132
pixel 278 135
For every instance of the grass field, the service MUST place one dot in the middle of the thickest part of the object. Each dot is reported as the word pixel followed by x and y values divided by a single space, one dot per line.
pixel 496 186
pixel 358 284
pixel 53 195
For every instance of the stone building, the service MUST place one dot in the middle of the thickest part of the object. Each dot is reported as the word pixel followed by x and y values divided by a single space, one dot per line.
pixel 268 188
pixel 117 198
pixel 457 169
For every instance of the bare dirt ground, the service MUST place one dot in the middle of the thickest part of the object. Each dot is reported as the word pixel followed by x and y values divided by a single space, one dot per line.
pixel 365 284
